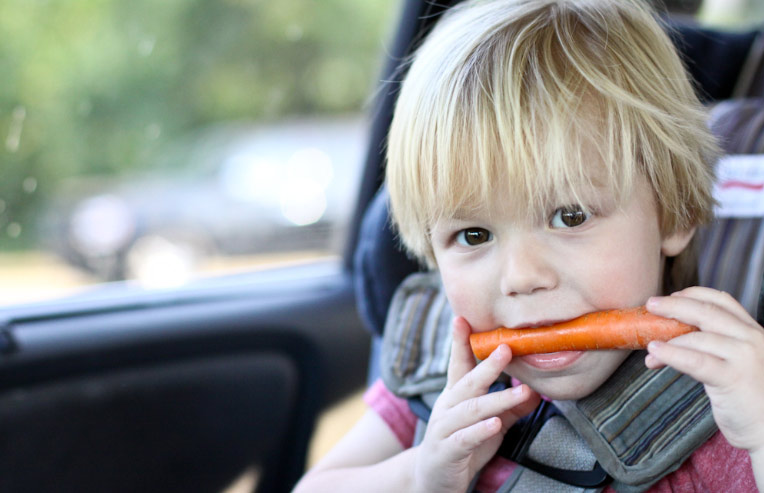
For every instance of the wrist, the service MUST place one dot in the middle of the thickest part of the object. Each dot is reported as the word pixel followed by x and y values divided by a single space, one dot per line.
pixel 757 463
pixel 413 470
pixel 757 454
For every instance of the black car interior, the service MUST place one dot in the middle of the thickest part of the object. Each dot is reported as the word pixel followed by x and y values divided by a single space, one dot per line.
pixel 227 379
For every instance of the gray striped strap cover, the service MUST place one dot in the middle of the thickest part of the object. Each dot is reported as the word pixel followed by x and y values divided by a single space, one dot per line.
pixel 731 249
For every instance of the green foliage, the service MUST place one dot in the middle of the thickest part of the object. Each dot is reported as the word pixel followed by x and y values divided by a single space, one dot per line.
pixel 100 86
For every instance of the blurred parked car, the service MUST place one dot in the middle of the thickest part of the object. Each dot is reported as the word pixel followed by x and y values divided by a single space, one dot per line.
pixel 234 191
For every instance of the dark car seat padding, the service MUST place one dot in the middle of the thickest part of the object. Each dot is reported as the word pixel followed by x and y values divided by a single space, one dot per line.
pixel 713 58
pixel 380 264
pixel 204 419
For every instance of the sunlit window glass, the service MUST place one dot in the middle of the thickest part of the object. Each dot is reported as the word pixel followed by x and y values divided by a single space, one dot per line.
pixel 731 14
pixel 159 141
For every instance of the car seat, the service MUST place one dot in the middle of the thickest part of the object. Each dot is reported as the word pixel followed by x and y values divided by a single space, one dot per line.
pixel 731 250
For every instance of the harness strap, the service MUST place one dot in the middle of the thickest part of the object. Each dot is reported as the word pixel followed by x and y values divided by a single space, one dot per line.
pixel 521 447
pixel 559 446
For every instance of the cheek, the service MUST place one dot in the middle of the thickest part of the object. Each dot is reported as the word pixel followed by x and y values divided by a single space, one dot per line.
pixel 627 273
pixel 469 296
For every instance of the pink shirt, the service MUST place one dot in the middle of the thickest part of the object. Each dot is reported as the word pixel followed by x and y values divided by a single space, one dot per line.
pixel 715 467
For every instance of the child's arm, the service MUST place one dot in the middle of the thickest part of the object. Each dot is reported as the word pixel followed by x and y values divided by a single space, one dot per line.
pixel 727 356
pixel 369 454
pixel 466 428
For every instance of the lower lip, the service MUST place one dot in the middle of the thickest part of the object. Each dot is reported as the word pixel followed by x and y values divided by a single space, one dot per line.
pixel 552 361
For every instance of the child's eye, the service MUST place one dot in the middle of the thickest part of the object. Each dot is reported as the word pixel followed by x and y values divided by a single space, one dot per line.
pixel 473 236
pixel 569 217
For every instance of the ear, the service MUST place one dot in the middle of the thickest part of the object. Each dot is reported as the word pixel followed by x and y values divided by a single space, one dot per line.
pixel 673 244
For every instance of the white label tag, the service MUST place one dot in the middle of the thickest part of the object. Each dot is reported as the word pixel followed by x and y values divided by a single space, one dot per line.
pixel 739 186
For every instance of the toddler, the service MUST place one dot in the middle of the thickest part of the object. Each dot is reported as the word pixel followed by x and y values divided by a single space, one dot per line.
pixel 548 158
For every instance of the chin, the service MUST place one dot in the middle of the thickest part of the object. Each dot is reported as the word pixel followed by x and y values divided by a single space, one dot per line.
pixel 570 392
pixel 580 380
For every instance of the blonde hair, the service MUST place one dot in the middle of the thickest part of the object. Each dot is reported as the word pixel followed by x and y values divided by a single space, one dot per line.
pixel 508 96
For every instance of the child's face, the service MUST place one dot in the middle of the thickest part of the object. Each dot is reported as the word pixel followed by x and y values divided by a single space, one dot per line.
pixel 501 271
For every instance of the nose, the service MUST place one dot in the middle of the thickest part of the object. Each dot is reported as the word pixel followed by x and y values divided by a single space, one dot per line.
pixel 527 267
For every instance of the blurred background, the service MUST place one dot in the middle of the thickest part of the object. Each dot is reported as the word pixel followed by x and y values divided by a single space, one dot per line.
pixel 160 141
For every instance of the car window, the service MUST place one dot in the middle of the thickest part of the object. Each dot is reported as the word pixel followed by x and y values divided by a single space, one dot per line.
pixel 163 141
pixel 741 14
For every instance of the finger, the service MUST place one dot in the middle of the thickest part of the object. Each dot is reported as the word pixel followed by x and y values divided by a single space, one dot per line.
pixel 705 315
pixel 653 362
pixel 485 406
pixel 477 381
pixel 461 360
pixel 701 366
pixel 719 345
pixel 527 406
pixel 464 441
pixel 721 298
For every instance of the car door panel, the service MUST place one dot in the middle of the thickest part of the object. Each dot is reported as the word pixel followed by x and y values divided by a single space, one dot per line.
pixel 201 417
pixel 177 391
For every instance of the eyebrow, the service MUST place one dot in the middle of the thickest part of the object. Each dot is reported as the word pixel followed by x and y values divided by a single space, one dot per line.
pixel 593 193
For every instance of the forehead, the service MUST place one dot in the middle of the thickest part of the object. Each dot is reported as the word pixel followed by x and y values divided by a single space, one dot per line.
pixel 576 170
pixel 501 202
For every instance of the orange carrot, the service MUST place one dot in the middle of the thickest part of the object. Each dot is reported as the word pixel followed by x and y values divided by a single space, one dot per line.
pixel 631 328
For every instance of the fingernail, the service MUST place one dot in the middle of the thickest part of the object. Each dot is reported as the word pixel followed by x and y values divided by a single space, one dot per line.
pixel 652 301
pixel 654 345
pixel 517 390
pixel 501 350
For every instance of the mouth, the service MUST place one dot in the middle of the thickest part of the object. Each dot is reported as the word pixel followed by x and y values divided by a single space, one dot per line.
pixel 548 361
pixel 552 361
pixel 541 324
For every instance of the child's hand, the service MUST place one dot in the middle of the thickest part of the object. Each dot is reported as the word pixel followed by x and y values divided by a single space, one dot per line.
pixel 726 355
pixel 467 424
